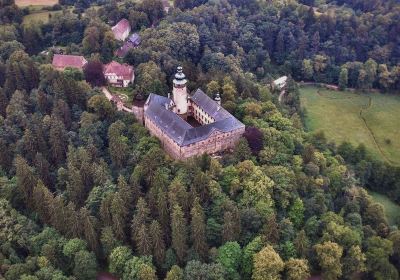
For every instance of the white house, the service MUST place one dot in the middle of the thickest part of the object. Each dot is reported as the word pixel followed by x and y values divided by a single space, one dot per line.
pixel 119 75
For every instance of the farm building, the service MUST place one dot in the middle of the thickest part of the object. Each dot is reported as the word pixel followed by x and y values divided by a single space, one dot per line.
pixel 121 30
pixel 119 75
pixel 132 42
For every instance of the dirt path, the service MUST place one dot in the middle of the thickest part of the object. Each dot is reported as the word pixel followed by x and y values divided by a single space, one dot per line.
pixel 362 110
pixel 120 105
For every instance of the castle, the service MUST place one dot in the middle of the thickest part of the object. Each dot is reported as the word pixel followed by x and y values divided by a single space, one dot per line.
pixel 190 125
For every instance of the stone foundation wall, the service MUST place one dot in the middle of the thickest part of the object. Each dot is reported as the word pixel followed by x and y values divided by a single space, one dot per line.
pixel 139 113
pixel 216 142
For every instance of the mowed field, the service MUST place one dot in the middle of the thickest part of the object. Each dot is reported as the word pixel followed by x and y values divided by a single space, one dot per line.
pixel 338 115
pixel 25 3
pixel 40 17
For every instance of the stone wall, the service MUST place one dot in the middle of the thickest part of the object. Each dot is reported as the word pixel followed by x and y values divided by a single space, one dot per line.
pixel 216 142
pixel 167 143
pixel 138 111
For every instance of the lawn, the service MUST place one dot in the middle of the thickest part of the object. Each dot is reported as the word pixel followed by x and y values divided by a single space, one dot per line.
pixel 392 210
pixel 338 115
pixel 40 17
pixel 126 94
pixel 25 3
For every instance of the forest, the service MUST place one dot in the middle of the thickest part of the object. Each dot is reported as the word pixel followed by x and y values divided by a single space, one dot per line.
pixel 84 188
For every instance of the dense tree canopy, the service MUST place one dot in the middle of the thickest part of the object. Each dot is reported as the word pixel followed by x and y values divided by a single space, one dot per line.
pixel 84 188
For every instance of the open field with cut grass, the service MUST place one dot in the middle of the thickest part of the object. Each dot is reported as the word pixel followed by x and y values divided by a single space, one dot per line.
pixel 392 210
pixel 372 119
pixel 25 3
pixel 40 17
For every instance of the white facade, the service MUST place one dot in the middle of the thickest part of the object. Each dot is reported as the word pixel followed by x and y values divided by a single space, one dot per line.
pixel 179 93
pixel 180 97
pixel 120 81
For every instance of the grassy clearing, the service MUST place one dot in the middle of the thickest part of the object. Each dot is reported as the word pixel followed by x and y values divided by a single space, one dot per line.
pixel 126 94
pixel 43 17
pixel 26 3
pixel 392 210
pixel 338 115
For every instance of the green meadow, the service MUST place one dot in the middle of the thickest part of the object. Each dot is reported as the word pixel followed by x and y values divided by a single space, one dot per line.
pixel 369 118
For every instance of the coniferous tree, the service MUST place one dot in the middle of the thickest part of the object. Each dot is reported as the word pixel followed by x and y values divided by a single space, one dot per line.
pixel 73 221
pixel 143 241
pixel 198 230
pixel 158 246
pixel 119 214
pixel 117 143
pixel 179 233
pixel 58 140
pixel 163 213
pixel 3 102
pixel 39 197
pixel 89 224
pixel 26 180
pixel 42 166
pixel 105 210
pixel 142 216
pixel 126 193
pixel 75 188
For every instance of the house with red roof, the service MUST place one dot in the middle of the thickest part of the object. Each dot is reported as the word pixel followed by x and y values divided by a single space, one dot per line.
pixel 62 61
pixel 119 75
pixel 121 30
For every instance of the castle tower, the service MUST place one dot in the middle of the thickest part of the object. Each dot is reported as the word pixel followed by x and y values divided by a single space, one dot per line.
pixel 180 94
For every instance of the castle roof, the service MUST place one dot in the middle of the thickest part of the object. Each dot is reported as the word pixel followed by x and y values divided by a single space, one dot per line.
pixel 73 61
pixel 122 70
pixel 178 129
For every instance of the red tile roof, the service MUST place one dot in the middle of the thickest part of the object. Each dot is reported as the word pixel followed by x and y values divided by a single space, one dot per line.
pixel 122 70
pixel 120 28
pixel 63 61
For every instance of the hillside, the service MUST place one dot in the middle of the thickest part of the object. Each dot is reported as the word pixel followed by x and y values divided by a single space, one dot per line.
pixel 147 141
